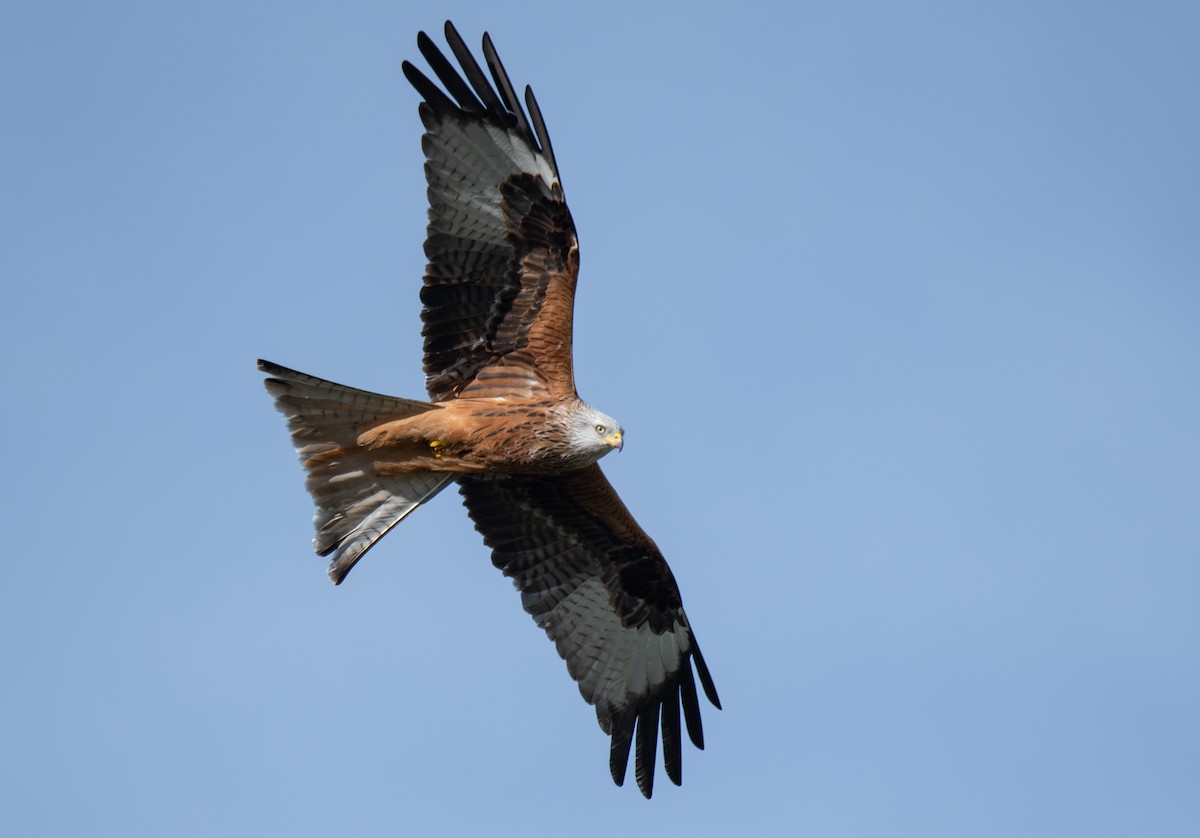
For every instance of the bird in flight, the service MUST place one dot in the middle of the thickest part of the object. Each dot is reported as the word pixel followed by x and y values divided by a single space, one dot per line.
pixel 504 422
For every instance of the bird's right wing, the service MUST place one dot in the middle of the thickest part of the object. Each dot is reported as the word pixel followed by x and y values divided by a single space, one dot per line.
pixel 598 585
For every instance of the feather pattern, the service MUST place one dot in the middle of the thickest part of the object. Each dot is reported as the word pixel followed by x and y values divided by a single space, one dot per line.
pixel 599 587
pixel 356 506
pixel 505 422
pixel 499 289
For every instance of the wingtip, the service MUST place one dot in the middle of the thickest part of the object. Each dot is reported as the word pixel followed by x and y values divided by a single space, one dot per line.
pixel 646 750
pixel 618 774
pixel 619 747
pixel 706 680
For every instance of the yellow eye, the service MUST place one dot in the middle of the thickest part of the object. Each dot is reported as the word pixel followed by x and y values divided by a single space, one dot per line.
pixel 600 429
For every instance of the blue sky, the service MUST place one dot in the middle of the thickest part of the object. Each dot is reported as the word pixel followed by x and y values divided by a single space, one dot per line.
pixel 898 305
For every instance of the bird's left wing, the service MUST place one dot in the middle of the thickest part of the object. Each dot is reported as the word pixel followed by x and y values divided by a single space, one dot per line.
pixel 499 289
pixel 598 585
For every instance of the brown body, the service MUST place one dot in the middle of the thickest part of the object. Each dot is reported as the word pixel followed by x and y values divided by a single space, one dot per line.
pixel 469 436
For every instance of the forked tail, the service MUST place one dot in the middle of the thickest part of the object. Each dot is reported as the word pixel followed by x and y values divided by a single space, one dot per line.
pixel 355 506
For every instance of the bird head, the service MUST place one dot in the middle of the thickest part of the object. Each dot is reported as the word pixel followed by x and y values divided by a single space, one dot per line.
pixel 594 434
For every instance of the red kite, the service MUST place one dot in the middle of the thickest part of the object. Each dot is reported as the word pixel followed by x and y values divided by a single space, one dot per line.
pixel 505 422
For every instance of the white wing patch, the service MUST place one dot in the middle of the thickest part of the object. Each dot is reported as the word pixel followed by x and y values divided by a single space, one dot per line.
pixel 467 162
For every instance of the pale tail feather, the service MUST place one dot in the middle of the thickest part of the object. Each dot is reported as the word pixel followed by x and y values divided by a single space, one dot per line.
pixel 355 506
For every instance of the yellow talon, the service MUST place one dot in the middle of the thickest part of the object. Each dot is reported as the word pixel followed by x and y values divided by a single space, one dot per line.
pixel 437 445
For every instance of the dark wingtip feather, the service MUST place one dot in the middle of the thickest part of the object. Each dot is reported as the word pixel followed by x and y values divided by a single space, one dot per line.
pixel 505 87
pixel 432 94
pixel 672 750
pixel 691 707
pixel 647 747
pixel 448 76
pixel 622 740
pixel 706 680
pixel 478 81
pixel 539 125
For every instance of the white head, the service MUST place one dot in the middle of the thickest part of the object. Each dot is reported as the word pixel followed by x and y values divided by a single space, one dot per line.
pixel 593 434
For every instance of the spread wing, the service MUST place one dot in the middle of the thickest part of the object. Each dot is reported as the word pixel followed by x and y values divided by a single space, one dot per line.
pixel 593 579
pixel 499 288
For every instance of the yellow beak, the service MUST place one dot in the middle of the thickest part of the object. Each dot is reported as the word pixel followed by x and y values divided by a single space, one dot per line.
pixel 615 440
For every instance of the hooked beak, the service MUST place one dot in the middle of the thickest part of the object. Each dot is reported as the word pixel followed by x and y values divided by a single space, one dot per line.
pixel 615 441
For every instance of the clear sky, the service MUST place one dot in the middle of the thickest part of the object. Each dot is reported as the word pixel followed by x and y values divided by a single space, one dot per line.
pixel 898 303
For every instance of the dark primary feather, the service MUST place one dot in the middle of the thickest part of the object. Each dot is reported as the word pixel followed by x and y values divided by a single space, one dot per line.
pixel 503 261
pixel 474 74
pixel 597 584
pixel 447 75
pixel 539 125
pixel 505 86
